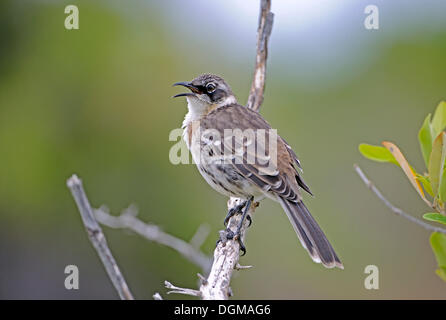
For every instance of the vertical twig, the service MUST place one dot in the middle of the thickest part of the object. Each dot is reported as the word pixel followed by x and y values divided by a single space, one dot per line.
pixel 266 18
pixel 97 238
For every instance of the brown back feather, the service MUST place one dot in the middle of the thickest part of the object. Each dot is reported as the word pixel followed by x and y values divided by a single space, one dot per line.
pixel 287 181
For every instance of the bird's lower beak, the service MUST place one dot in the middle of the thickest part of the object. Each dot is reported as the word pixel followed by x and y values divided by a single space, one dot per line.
pixel 187 85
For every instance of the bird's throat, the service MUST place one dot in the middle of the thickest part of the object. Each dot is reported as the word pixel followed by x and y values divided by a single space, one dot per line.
pixel 198 108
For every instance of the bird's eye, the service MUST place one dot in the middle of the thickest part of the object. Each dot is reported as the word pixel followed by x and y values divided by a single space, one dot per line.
pixel 210 87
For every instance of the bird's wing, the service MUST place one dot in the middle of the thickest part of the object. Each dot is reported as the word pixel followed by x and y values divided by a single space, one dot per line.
pixel 250 152
pixel 280 178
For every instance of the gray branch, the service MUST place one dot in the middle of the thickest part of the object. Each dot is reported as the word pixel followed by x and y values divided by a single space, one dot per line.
pixel 97 238
pixel 226 256
pixel 394 209
pixel 157 296
pixel 128 220
pixel 266 18
pixel 186 291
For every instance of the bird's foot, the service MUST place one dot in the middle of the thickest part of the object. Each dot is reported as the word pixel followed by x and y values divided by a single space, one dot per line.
pixel 233 211
pixel 225 235
pixel 230 235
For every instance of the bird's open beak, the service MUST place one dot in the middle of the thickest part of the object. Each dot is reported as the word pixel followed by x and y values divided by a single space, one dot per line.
pixel 189 86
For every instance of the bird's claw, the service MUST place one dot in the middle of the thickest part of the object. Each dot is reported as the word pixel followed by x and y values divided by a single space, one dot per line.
pixel 242 246
pixel 230 235
pixel 248 217
pixel 233 211
pixel 242 208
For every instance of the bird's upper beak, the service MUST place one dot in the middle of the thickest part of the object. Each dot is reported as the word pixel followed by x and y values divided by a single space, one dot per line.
pixel 188 85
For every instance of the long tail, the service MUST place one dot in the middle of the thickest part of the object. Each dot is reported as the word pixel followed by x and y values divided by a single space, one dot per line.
pixel 310 234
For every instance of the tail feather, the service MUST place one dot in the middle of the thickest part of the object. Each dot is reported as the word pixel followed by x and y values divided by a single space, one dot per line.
pixel 310 234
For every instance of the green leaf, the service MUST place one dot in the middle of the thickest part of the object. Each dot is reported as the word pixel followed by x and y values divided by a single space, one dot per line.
pixel 425 139
pixel 377 153
pixel 442 187
pixel 438 244
pixel 439 119
pixel 436 217
pixel 441 272
pixel 406 167
pixel 436 162
pixel 426 184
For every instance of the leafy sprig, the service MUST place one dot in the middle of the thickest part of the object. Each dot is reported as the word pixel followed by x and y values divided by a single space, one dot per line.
pixel 432 139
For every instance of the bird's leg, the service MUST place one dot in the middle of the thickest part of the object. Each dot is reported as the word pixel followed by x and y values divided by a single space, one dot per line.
pixel 233 211
pixel 242 208
pixel 238 235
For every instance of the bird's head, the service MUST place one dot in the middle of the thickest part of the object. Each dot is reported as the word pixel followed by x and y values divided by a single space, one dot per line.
pixel 206 92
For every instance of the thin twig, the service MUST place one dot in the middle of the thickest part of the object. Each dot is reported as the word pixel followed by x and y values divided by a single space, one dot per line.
pixel 97 238
pixel 128 220
pixel 394 209
pixel 239 267
pixel 266 18
pixel 200 236
pixel 157 296
pixel 186 291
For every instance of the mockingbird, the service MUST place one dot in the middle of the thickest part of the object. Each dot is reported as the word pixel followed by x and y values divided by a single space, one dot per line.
pixel 240 155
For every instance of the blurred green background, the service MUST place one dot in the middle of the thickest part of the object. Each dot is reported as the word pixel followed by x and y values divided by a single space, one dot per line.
pixel 96 102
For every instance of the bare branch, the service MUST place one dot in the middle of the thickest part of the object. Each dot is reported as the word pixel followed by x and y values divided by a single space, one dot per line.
pixel 266 18
pixel 157 296
pixel 226 257
pixel 128 220
pixel 200 236
pixel 186 291
pixel 239 267
pixel 97 238
pixel 394 209
pixel 202 279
